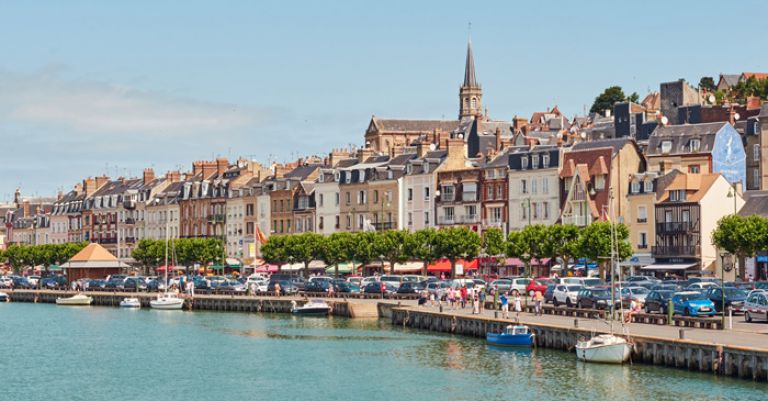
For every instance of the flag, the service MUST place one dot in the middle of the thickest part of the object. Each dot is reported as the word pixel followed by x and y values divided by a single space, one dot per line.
pixel 260 236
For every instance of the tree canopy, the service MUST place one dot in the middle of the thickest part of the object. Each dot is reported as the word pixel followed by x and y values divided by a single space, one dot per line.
pixel 611 96
pixel 595 243
pixel 707 83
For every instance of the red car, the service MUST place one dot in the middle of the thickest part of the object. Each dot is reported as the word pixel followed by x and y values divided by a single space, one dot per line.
pixel 538 284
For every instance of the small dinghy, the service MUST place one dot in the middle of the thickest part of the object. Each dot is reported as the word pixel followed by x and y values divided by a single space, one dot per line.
pixel 167 301
pixel 75 300
pixel 605 348
pixel 3 297
pixel 315 307
pixel 513 336
pixel 130 303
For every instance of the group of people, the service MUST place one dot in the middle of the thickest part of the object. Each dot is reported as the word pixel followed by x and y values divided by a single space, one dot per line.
pixel 459 297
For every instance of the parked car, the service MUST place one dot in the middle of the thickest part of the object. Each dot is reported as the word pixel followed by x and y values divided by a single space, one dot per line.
pixel 756 306
pixel 734 298
pixel 230 285
pixel 549 293
pixel 502 284
pixel 367 280
pixel 342 286
pixel 318 286
pixel 566 294
pixel 57 281
pixel 375 288
pixel 411 287
pixel 628 294
pixel 480 284
pixel 258 285
pixel 34 279
pixel 115 282
pixel 320 278
pixel 692 303
pixel 135 283
pixel 658 301
pixel 287 287
pixel 20 282
pixel 667 287
pixel 392 279
pixel 299 282
pixel 6 282
pixel 761 285
pixel 96 284
pixel 582 281
pixel 519 283
pixel 413 278
pixel 594 298
pixel 701 286
pixel 537 284
pixel 437 288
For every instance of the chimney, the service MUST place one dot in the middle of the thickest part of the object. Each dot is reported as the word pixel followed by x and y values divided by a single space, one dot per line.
pixel 519 122
pixel 59 195
pixel 209 168
pixel 221 165
pixel 149 175
pixel 25 206
pixel 440 138
pixel 197 167
pixel 364 153
pixel 498 139
pixel 78 188
pixel 457 154
pixel 89 185
pixel 101 181
pixel 173 176
pixel 753 102
pixel 279 170
pixel 422 147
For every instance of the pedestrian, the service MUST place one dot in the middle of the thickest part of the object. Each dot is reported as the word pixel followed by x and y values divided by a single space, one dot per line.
pixel 330 290
pixel 504 305
pixel 432 299
pixel 518 305
pixel 481 301
pixel 423 295
pixel 496 297
pixel 451 297
pixel 191 288
pixel 475 303
pixel 277 289
pixel 471 296
pixel 463 295
pixel 383 289
pixel 538 300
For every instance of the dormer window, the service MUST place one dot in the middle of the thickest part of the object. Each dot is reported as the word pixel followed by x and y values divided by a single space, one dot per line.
pixel 535 161
pixel 695 145
pixel 390 174
pixel 545 161
pixel 409 169
pixel 348 177
pixel 635 187
pixel 524 162
pixel 426 167
pixel 337 176
pixel 599 182
pixel 648 186
pixel 491 173
pixel 362 176
pixel 666 146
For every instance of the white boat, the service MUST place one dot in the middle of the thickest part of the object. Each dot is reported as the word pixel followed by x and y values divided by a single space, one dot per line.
pixel 316 307
pixel 604 348
pixel 3 297
pixel 167 301
pixel 77 299
pixel 130 303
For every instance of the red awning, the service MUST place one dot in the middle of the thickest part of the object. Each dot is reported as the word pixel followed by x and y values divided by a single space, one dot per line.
pixel 518 262
pixel 161 269
pixel 267 269
pixel 444 265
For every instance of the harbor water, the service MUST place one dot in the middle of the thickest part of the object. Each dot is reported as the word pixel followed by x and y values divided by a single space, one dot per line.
pixel 99 353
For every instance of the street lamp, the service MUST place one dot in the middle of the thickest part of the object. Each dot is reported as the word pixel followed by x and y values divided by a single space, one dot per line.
pixel 725 266
pixel 732 194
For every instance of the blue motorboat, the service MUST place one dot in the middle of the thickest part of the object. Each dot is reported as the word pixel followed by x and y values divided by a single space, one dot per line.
pixel 513 336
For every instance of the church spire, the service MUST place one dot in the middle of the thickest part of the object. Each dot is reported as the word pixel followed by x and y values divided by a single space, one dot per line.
pixel 469 69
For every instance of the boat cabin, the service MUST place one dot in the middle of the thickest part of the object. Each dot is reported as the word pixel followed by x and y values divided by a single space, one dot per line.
pixel 516 330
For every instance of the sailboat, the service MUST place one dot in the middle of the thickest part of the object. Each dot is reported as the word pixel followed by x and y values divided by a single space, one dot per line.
pixel 167 300
pixel 607 348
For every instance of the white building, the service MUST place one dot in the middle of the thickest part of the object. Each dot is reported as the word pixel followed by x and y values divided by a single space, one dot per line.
pixel 534 186
pixel 420 190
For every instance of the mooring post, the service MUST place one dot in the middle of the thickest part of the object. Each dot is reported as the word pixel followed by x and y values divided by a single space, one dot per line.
pixel 576 323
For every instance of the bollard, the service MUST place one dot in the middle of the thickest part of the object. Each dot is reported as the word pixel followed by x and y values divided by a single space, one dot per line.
pixel 670 311
pixel 730 318
pixel 576 323
pixel 682 334
pixel 441 308
pixel 496 314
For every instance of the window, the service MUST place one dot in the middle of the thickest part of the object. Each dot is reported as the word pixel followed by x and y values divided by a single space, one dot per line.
pixel 500 191
pixel 685 216
pixel 360 222
pixel 426 193
pixel 321 200
pixel 756 152
pixel 449 214
pixel 545 161
pixel 320 223
pixel 643 241
pixel 447 194
pixel 648 186
pixel 523 186
pixel 337 199
pixel 337 221
pixel 469 191
pixel 695 145
pixel 470 211
pixel 694 169
pixel 524 162
pixel 534 185
pixel 489 192
pixel 642 214
pixel 388 197
pixel 496 215
pixel 756 178
pixel 361 198
pixel 523 211
pixel 535 161
pixel 426 218
pixel 666 146
pixel 545 209
pixel 349 222
pixel 635 188
pixel 375 196
pixel 348 198
pixel 410 194
pixel 677 195
pixel 490 173
pixel 410 218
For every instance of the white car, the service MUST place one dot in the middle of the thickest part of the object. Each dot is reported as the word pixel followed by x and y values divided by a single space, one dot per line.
pixel 519 283
pixel 566 294
pixel 368 280
pixel 6 282
pixel 703 285
pixel 392 280
pixel 261 285
pixel 33 280
pixel 320 278
pixel 756 306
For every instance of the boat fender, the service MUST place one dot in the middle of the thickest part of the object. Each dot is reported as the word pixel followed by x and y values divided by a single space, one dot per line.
pixel 293 305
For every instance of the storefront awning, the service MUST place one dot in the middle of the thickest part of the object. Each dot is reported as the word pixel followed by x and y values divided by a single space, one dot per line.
pixel 408 267
pixel 660 266
pixel 444 265
pixel 344 268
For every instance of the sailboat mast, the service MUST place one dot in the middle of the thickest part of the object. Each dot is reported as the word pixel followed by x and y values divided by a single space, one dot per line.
pixel 166 252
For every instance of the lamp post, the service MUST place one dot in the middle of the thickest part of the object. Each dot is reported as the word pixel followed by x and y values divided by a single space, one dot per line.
pixel 437 199
pixel 725 266
pixel 732 194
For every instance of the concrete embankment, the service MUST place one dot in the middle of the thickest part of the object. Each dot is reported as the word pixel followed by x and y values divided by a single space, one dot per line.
pixel 743 362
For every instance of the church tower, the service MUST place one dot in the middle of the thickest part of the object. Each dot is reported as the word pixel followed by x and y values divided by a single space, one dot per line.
pixel 470 93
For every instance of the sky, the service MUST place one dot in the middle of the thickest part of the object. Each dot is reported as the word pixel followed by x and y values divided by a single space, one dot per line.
pixel 93 87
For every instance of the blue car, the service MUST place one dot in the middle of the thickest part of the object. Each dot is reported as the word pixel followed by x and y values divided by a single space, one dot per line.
pixel 693 303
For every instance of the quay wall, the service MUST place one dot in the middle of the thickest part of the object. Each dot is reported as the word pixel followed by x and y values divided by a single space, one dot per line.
pixel 734 361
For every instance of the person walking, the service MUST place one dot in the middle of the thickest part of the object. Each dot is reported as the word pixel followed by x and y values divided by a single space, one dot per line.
pixel 191 288
pixel 277 289
pixel 538 300
pixel 451 298
pixel 518 305
pixel 463 295
pixel 504 305
pixel 481 301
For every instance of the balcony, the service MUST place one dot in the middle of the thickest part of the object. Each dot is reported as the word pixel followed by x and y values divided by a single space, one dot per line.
pixel 673 227
pixel 690 251
pixel 642 220
pixel 106 241
pixel 383 226
pixel 216 218
pixel 130 220
pixel 493 223
pixel 642 246
pixel 130 240
pixel 576 220
pixel 129 204
pixel 460 219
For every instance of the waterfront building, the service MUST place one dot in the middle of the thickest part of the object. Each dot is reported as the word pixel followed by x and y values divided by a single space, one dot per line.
pixel 494 191
pixel 687 210
pixel 756 203
pixel 421 186
pixel 110 219
pixel 762 134
pixel 699 149
pixel 162 211
pixel 66 216
pixel 235 223
pixel 640 218
pixel 147 193
pixel 203 200
pixel 304 207
pixel 750 130
pixel 589 171
pixel 355 206
pixel 283 189
pixel 458 201
pixel 534 186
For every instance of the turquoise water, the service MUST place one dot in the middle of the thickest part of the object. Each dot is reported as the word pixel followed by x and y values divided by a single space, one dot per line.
pixel 98 353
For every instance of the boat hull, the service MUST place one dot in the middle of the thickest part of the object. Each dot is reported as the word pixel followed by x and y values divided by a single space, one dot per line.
pixel 609 353
pixel 3 297
pixel 74 301
pixel 312 311
pixel 166 305
pixel 509 340
pixel 130 304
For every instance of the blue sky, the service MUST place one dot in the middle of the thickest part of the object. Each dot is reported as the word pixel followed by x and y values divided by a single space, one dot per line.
pixel 94 87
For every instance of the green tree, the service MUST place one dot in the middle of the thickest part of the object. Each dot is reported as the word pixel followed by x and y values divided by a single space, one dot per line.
pixel 457 242
pixel 337 248
pixel 528 244
pixel 607 99
pixel 595 243
pixel 274 251
pixel 493 242
pixel 364 251
pixel 634 98
pixel 562 242
pixel 149 253
pixel 393 245
pixel 304 248
pixel 422 246
pixel 707 83
pixel 741 237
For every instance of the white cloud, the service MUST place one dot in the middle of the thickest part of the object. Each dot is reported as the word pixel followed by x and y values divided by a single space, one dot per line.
pixel 91 107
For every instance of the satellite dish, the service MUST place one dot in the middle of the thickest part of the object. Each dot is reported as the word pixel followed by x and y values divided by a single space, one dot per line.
pixel 461 136
pixel 559 135
pixel 583 135
pixel 736 116
pixel 664 120
pixel 711 99
pixel 432 147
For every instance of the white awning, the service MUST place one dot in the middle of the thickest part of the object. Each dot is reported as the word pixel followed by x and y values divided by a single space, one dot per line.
pixel 408 267
pixel 668 266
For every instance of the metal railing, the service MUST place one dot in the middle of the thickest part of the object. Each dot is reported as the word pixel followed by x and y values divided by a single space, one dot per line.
pixel 684 250
pixel 673 227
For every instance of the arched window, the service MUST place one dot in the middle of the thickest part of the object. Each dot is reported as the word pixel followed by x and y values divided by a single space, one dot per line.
pixel 474 102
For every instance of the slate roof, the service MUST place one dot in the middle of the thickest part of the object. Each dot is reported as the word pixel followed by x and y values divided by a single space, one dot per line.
pixel 681 135
pixel 422 126
pixel 695 186
pixel 756 203
pixel 469 69
pixel 730 79
pixel 302 172
pixel 615 144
